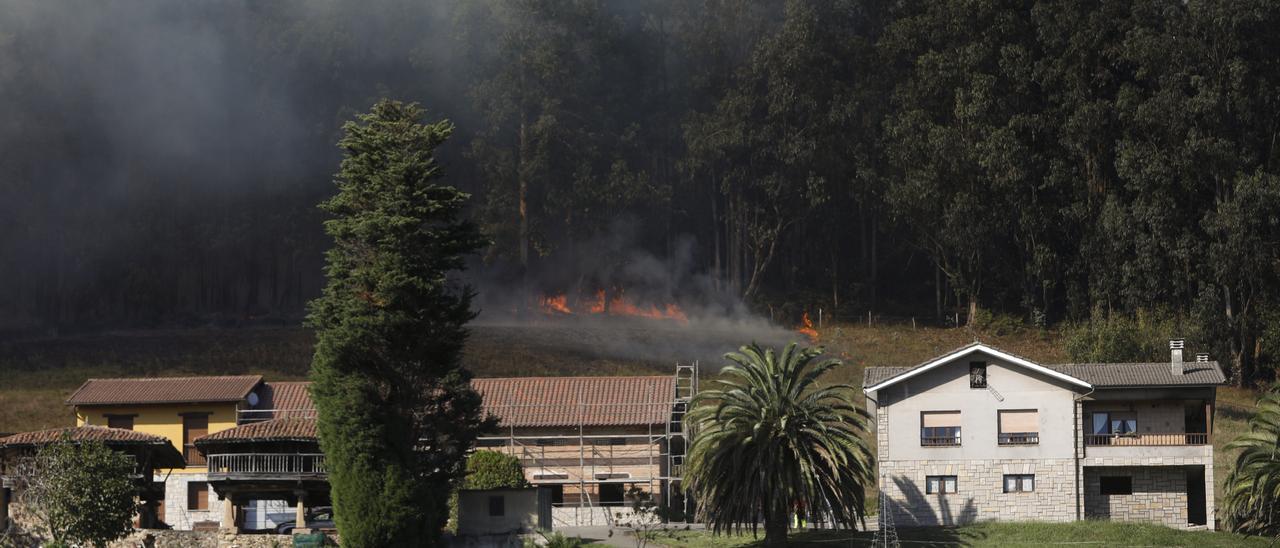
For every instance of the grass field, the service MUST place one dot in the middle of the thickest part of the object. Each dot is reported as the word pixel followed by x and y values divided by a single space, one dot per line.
pixel 38 375
pixel 1078 534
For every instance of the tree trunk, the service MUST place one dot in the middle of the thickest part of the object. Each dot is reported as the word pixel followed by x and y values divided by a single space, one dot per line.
pixel 775 530
pixel 973 308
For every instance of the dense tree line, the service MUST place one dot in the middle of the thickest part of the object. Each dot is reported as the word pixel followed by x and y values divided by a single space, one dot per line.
pixel 1052 161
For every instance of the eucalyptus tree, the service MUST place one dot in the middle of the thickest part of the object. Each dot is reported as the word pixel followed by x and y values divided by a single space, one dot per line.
pixel 771 439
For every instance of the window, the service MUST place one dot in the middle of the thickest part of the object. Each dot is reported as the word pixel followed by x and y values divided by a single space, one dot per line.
pixel 977 374
pixel 1114 423
pixel 940 428
pixel 1123 424
pixel 611 494
pixel 197 495
pixel 497 507
pixel 194 426
pixel 939 484
pixel 1116 485
pixel 1019 427
pixel 124 422
pixel 1019 483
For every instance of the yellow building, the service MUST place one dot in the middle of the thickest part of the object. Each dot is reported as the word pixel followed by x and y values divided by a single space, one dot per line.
pixel 181 410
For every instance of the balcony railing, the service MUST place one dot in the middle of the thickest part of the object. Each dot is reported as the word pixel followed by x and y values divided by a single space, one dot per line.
pixel 267 464
pixel 1148 440
pixel 940 441
pixel 1019 438
pixel 192 455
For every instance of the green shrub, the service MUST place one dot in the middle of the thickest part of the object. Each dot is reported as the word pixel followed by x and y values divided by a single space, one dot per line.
pixel 494 470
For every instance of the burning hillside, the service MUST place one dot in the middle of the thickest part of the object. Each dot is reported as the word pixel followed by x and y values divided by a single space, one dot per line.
pixel 618 305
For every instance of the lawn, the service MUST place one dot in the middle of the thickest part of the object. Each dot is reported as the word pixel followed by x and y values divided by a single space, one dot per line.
pixel 1085 533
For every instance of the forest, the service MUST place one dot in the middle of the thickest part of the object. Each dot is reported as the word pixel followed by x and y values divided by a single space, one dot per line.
pixel 1038 162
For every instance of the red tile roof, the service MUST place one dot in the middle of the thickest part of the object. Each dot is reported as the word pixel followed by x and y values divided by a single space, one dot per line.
pixel 285 397
pixel 570 401
pixel 286 429
pixel 113 436
pixel 164 390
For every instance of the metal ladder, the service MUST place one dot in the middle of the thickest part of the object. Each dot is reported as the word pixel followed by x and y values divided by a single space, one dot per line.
pixel 886 534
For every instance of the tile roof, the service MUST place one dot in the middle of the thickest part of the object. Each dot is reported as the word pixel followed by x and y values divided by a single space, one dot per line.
pixel 1100 375
pixel 111 436
pixel 286 399
pixel 570 401
pixel 1103 375
pixel 164 390
pixel 285 429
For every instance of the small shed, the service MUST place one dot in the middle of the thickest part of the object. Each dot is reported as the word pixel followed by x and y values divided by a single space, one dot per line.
pixel 489 512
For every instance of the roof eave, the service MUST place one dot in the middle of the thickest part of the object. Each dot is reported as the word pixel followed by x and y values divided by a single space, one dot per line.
pixel 969 349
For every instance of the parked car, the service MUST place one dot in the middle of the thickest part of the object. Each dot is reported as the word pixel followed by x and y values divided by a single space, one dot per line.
pixel 320 517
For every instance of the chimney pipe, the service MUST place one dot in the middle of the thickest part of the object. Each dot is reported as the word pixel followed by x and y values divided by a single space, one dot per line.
pixel 1202 357
pixel 1175 356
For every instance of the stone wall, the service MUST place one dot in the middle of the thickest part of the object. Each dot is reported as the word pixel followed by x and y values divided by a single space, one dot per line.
pixel 980 491
pixel 1159 495
pixel 192 539
pixel 176 512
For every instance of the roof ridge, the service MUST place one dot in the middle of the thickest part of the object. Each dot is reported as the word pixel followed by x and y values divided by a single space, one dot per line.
pixel 181 378
pixel 574 377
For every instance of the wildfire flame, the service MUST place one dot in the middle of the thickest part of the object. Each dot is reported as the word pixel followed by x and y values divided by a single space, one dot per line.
pixel 619 305
pixel 806 328
pixel 556 304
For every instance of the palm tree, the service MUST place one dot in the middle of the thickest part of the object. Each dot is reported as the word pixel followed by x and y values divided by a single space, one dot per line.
pixel 1252 499
pixel 769 439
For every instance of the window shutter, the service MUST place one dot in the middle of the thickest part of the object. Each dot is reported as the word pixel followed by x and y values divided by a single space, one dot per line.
pixel 936 419
pixel 1019 421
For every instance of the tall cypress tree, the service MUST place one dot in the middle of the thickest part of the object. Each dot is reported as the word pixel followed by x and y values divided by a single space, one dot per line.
pixel 396 409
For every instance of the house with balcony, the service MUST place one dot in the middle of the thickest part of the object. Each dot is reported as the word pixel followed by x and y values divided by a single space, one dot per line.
pixel 979 433
pixel 179 410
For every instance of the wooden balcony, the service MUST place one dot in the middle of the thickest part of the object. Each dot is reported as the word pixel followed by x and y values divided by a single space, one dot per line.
pixel 267 465
pixel 192 455
pixel 1146 440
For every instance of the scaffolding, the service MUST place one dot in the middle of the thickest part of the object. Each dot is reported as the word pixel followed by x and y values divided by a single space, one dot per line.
pixel 584 457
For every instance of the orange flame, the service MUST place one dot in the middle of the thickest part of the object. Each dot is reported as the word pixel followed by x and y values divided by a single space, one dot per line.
pixel 806 328
pixel 619 305
pixel 556 304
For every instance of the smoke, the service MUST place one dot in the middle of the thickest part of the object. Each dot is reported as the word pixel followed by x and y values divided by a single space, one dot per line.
pixel 714 320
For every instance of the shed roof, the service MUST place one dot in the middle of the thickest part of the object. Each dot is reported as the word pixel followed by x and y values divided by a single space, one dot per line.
pixel 164 390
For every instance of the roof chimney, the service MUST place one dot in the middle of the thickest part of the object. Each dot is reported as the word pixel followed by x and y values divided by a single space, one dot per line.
pixel 1202 357
pixel 1175 356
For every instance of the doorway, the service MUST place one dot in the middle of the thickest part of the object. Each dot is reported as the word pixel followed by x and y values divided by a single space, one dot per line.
pixel 1195 496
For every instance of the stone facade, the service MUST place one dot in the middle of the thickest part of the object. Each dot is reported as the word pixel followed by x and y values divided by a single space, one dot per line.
pixel 176 510
pixel 979 491
pixel 1159 495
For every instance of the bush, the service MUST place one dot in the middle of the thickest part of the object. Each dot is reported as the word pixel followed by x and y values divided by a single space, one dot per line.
pixel 494 470
pixel 79 493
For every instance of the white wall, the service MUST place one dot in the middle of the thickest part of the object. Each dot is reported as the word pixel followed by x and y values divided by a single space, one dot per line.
pixel 520 512
pixel 946 388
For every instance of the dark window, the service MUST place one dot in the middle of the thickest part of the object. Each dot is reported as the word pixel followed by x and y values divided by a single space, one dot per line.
pixel 977 374
pixel 194 427
pixel 1116 485
pixel 939 484
pixel 557 494
pixel 1019 483
pixel 497 507
pixel 124 422
pixel 611 494
pixel 197 495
